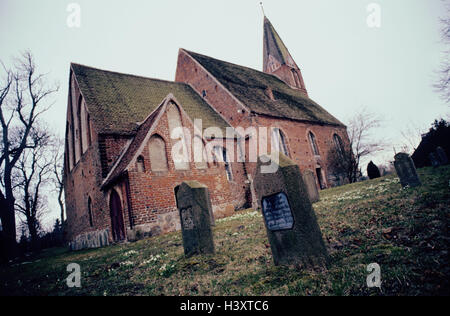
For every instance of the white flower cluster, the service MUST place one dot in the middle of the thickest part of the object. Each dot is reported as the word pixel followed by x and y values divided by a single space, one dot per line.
pixel 248 215
pixel 151 260
pixel 127 263
pixel 165 267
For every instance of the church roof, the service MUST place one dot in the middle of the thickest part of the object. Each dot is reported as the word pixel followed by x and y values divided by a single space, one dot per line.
pixel 250 87
pixel 273 45
pixel 117 102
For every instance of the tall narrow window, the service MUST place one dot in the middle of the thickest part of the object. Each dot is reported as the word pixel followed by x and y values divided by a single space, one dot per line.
pixel 158 155
pixel 80 124
pixel 338 143
pixel 88 123
pixel 312 140
pixel 140 166
pixel 91 221
pixel 221 154
pixel 279 141
pixel 181 155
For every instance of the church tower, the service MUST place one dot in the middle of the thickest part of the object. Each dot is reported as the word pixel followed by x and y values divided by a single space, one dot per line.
pixel 278 61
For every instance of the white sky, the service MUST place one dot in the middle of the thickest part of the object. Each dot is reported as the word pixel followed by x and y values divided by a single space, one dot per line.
pixel 345 64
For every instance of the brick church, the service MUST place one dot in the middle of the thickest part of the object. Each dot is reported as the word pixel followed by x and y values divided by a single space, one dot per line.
pixel 120 173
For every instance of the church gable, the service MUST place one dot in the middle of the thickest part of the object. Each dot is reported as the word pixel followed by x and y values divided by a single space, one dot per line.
pixel 151 148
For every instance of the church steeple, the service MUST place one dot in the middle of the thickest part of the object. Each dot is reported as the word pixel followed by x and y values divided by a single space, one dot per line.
pixel 278 61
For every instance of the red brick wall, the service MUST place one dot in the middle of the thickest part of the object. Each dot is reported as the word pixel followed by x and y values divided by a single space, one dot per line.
pixel 191 72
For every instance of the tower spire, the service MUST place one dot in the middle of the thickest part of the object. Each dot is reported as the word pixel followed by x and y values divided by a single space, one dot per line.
pixel 278 61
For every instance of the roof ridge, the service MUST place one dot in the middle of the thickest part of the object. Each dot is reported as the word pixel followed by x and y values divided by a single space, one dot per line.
pixel 130 75
pixel 234 64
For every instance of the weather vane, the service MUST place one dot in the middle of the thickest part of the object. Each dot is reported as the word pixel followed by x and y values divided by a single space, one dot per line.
pixel 262 8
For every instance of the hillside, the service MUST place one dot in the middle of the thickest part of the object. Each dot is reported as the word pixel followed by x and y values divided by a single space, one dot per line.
pixel 405 231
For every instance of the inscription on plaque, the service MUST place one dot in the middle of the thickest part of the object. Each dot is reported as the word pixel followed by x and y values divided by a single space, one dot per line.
pixel 186 218
pixel 277 212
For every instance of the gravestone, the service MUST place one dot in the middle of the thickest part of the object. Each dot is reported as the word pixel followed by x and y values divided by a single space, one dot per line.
pixel 441 155
pixel 372 170
pixel 291 224
pixel 434 160
pixel 406 170
pixel 194 206
pixel 311 187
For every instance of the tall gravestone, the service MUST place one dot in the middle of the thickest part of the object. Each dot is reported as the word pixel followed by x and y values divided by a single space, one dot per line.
pixel 291 224
pixel 441 155
pixel 194 206
pixel 406 170
pixel 311 187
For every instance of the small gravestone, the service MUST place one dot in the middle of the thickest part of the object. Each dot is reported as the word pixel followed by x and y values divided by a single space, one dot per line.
pixel 311 186
pixel 194 206
pixel 372 171
pixel 434 160
pixel 406 170
pixel 441 155
pixel 291 224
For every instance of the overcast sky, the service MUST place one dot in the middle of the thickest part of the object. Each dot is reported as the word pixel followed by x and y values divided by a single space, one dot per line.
pixel 345 63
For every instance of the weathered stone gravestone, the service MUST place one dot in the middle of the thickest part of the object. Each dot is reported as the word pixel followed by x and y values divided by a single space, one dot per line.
pixel 291 224
pixel 311 187
pixel 441 155
pixel 406 170
pixel 194 205
pixel 433 159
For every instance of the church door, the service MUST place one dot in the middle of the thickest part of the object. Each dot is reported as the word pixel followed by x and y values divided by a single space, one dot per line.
pixel 118 230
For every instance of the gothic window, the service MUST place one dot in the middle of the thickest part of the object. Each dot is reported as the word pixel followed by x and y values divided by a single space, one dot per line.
pixel 181 160
pixel 158 155
pixel 312 140
pixel 91 221
pixel 69 147
pixel 89 129
pixel 80 125
pixel 338 143
pixel 221 155
pixel 279 141
pixel 140 165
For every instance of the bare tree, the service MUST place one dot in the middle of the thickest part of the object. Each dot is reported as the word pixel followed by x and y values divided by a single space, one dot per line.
pixel 23 98
pixel 33 173
pixel 344 160
pixel 58 171
pixel 443 83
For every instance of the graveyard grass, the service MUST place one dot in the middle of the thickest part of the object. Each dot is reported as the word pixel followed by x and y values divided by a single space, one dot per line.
pixel 405 231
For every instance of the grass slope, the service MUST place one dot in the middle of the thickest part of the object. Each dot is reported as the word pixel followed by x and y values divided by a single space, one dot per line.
pixel 405 231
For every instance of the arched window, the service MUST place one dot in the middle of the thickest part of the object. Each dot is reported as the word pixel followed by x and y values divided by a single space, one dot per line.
pixel 221 155
pixel 69 152
pixel 338 143
pixel 158 155
pixel 200 159
pixel 181 160
pixel 88 123
pixel 279 141
pixel 140 165
pixel 91 221
pixel 80 125
pixel 312 140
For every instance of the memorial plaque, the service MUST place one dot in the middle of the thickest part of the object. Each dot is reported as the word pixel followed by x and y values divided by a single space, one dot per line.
pixel 186 218
pixel 277 212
